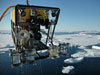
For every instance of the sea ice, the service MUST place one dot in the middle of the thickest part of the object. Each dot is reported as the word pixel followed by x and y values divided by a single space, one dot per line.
pixel 96 47
pixel 67 69
pixel 74 60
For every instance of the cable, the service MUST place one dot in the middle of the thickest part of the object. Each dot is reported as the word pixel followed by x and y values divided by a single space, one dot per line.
pixel 5 12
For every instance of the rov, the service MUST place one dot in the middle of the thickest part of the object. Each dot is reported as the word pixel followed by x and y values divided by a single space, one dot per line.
pixel 29 25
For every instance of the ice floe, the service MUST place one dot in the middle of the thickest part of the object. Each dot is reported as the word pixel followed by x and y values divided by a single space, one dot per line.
pixel 74 60
pixel 96 47
pixel 67 69
pixel 87 53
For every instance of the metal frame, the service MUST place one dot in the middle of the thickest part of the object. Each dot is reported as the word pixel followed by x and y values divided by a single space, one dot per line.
pixel 30 6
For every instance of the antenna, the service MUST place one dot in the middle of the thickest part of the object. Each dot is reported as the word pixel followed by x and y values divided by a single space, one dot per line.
pixel 27 2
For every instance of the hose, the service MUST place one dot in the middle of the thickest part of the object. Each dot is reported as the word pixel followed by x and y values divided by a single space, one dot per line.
pixel 5 12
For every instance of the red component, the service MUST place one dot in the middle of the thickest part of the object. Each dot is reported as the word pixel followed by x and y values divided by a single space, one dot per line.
pixel 25 27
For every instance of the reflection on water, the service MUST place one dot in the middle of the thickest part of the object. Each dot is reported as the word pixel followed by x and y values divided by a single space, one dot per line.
pixel 43 66
pixel 49 66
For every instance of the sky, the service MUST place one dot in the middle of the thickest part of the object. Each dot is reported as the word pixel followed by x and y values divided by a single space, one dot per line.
pixel 75 15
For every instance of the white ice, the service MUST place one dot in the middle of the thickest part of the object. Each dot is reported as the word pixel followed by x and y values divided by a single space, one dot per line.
pixel 5 41
pixel 82 38
pixel 74 60
pixel 96 47
pixel 87 53
pixel 67 69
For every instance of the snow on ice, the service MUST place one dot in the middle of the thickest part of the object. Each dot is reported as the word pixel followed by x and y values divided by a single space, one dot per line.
pixel 86 42
pixel 96 47
pixel 6 41
pixel 74 60
pixel 67 69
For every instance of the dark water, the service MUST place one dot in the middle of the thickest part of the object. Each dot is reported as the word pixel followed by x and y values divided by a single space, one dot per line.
pixel 89 66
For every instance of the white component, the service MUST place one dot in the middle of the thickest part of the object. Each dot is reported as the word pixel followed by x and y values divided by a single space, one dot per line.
pixel 54 52
pixel 23 36
pixel 16 59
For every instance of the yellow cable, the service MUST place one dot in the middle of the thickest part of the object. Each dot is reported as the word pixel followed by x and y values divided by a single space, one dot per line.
pixel 5 12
